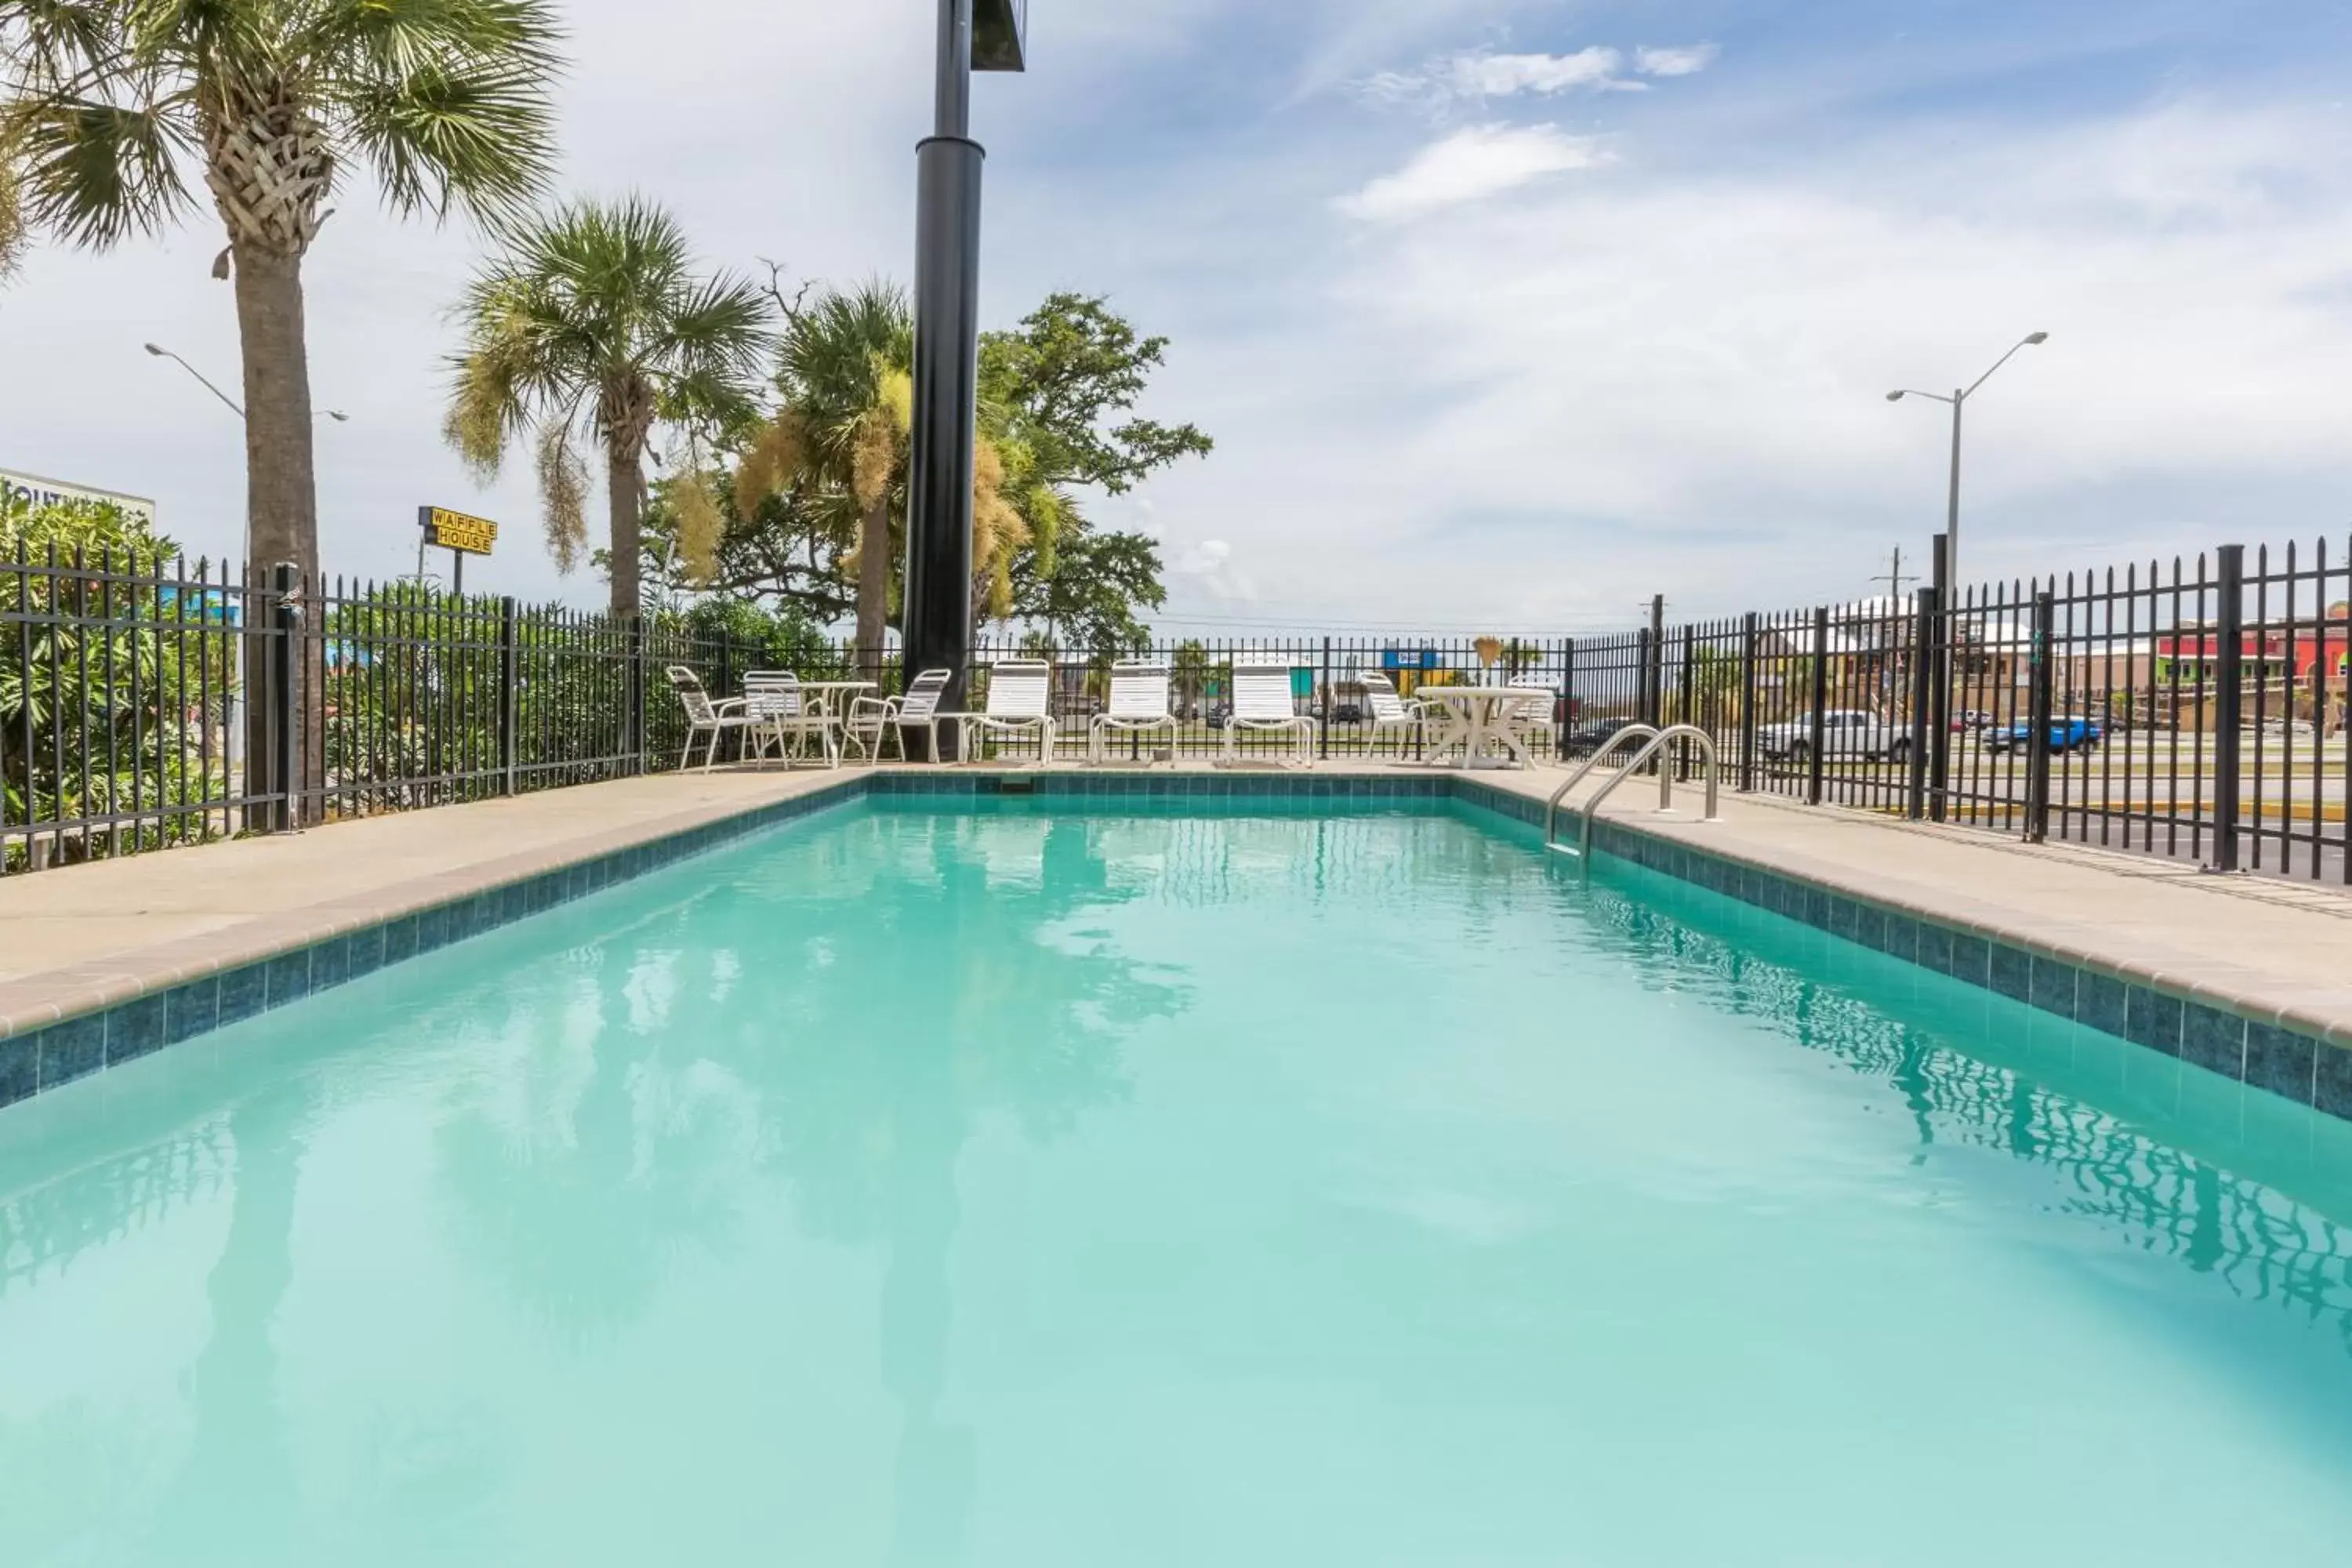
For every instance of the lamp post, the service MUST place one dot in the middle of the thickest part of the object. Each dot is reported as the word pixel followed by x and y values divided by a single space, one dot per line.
pixel 936 613
pixel 1959 399
pixel 159 352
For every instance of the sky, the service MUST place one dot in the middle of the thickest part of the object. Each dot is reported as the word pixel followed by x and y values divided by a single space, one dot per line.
pixel 1504 315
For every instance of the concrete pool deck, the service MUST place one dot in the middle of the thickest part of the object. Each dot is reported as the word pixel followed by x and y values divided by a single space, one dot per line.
pixel 78 939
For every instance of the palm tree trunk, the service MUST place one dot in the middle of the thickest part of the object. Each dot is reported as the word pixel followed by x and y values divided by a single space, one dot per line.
pixel 281 501
pixel 622 477
pixel 874 586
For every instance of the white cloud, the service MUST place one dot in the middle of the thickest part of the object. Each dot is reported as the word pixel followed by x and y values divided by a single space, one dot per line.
pixel 1471 165
pixel 1537 411
pixel 1687 61
pixel 1479 77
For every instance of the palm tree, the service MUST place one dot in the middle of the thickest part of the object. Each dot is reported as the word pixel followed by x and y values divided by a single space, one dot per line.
pixel 113 104
pixel 12 215
pixel 846 375
pixel 590 327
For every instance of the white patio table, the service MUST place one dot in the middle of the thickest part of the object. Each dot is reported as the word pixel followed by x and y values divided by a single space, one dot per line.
pixel 1475 721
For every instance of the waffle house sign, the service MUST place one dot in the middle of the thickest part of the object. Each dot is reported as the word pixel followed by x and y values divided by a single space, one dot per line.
pixel 446 530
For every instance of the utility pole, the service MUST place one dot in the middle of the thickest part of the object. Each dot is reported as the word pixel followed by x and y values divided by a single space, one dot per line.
pixel 1894 577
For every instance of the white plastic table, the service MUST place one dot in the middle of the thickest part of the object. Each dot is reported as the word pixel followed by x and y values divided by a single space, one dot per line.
pixel 1475 719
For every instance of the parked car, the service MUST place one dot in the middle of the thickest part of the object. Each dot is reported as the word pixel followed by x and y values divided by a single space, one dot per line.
pixel 2068 732
pixel 1846 733
pixel 1347 711
pixel 1220 714
pixel 1594 734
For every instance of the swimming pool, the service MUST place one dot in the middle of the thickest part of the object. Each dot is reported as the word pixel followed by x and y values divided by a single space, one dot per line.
pixel 1037 1185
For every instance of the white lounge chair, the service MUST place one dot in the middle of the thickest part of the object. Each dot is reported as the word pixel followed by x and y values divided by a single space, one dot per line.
pixel 1138 705
pixel 872 719
pixel 704 716
pixel 780 713
pixel 1263 705
pixel 1018 692
pixel 1390 713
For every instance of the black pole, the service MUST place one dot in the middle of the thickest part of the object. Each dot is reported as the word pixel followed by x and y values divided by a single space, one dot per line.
pixel 1940 705
pixel 936 603
pixel 1821 703
pixel 2043 700
pixel 2229 702
pixel 1924 723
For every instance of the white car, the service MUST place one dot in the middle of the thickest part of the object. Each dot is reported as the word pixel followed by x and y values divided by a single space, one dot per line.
pixel 1845 732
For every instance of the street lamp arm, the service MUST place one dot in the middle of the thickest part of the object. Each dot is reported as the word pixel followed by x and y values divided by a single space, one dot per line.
pixel 2027 342
pixel 1915 392
pixel 159 351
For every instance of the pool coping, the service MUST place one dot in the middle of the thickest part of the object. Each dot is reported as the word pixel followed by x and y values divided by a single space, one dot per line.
pixel 67 1025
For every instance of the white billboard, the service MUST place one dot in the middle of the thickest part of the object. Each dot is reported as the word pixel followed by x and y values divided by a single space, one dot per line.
pixel 35 490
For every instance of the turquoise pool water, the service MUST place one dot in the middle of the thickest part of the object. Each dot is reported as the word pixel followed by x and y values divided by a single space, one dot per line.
pixel 1022 1190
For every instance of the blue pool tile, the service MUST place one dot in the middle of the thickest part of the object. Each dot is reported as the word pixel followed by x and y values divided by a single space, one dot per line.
pixel 20 1068
pixel 2214 1040
pixel 432 927
pixel 400 939
pixel 2011 972
pixel 137 1027
pixel 2332 1083
pixel 1870 926
pixel 363 952
pixel 1972 959
pixel 1902 936
pixel 288 978
pixel 2152 1019
pixel 191 1009
pixel 2099 1001
pixel 2053 986
pixel 1934 948
pixel 243 993
pixel 75 1049
pixel 2281 1061
pixel 330 963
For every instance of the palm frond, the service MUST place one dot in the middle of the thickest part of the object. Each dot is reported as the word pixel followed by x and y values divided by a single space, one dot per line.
pixel 98 171
pixel 482 139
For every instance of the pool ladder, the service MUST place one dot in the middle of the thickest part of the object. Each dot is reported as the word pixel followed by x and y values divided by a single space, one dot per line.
pixel 1657 739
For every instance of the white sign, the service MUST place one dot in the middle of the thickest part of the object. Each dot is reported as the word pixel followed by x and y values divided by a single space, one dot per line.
pixel 35 490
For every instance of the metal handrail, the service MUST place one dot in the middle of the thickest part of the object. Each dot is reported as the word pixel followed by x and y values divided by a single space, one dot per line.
pixel 1551 807
pixel 1658 742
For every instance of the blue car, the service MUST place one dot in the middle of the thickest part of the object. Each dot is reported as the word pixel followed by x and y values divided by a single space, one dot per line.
pixel 2068 732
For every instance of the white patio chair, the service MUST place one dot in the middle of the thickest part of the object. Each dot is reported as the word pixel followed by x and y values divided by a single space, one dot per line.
pixel 1391 714
pixel 1532 716
pixel 1019 691
pixel 1139 706
pixel 704 716
pixel 1263 705
pixel 874 719
pixel 780 712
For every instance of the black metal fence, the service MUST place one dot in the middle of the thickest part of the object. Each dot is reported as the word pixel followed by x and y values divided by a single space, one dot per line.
pixel 2191 709
pixel 147 701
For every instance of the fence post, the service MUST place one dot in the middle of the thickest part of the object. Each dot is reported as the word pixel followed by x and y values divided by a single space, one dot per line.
pixel 1330 706
pixel 1818 735
pixel 1654 665
pixel 2037 757
pixel 285 618
pixel 633 687
pixel 510 677
pixel 1948 594
pixel 1567 696
pixel 1748 704
pixel 1686 701
pixel 1923 699
pixel 2229 703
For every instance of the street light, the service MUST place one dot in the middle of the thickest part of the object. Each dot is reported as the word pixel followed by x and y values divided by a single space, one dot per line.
pixel 159 352
pixel 936 604
pixel 1959 397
